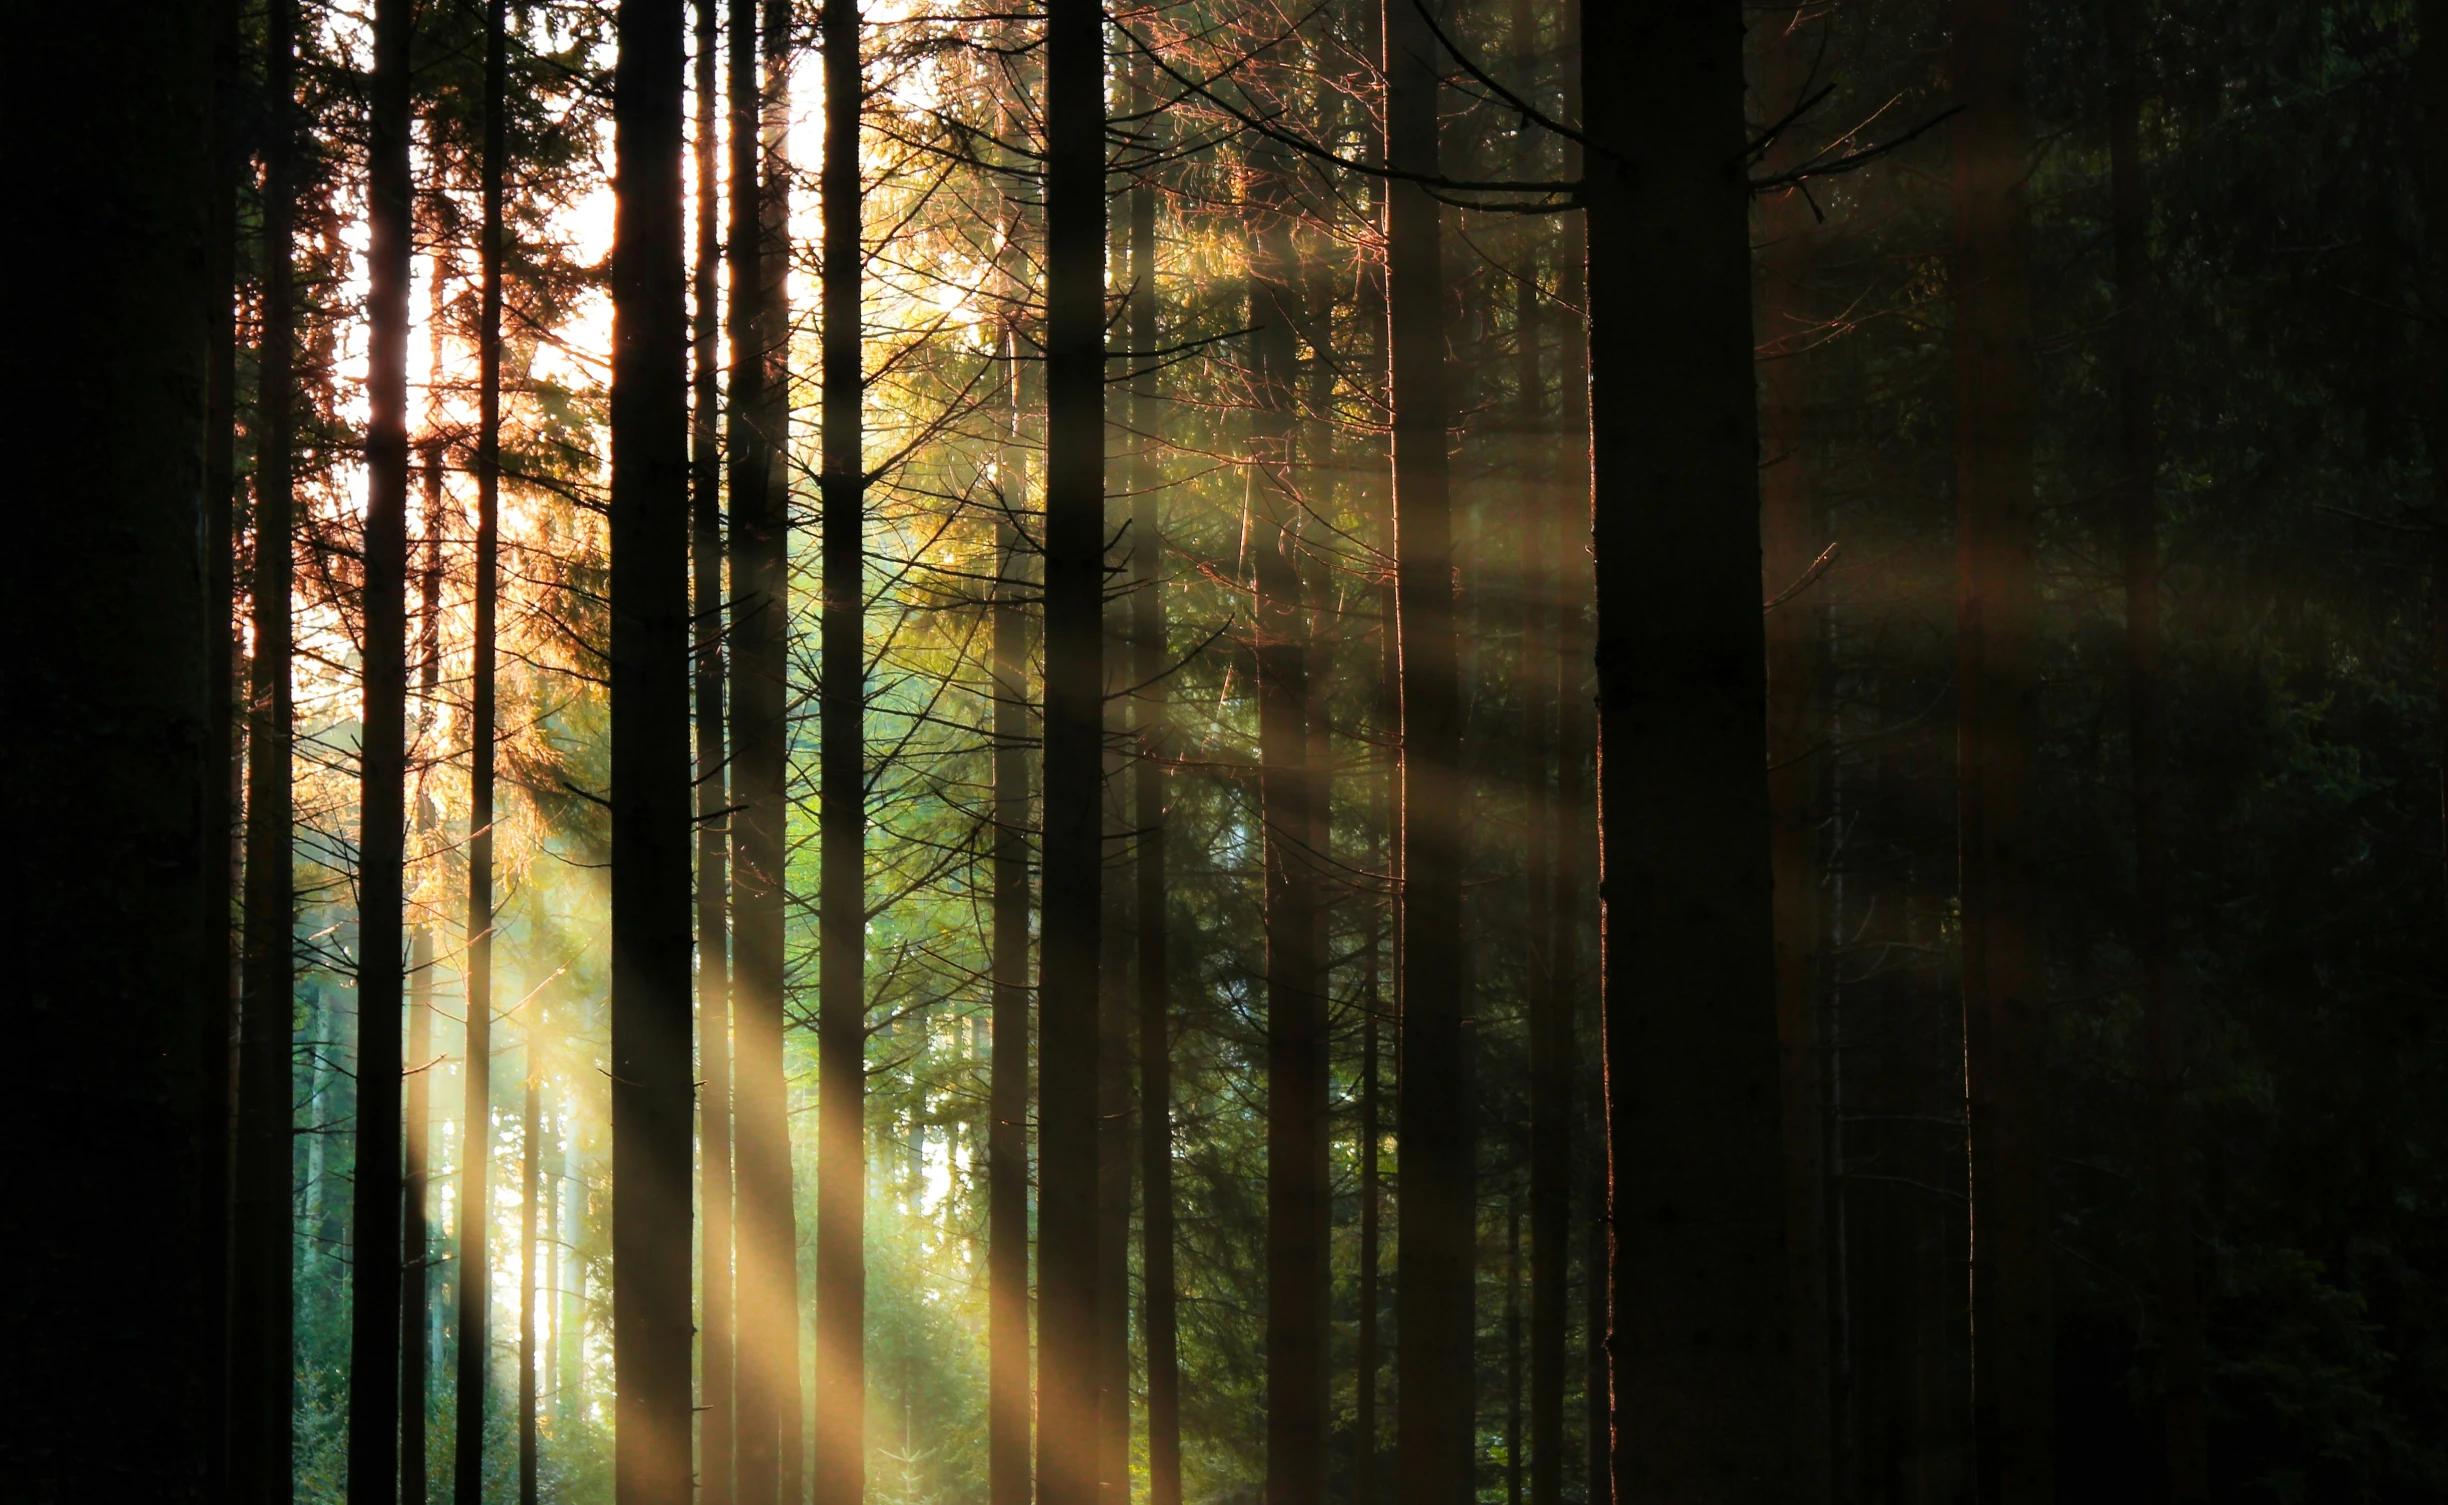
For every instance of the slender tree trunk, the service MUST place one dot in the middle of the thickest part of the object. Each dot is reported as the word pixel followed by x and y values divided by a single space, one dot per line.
pixel 416 1235
pixel 1791 525
pixel 652 1095
pixel 1700 1325
pixel 1295 1344
pixel 1074 52
pixel 1434 1364
pixel 1372 1198
pixel 531 1129
pixel 217 1017
pixel 841 1268
pixel 1996 683
pixel 476 1145
pixel 1007 1158
pixel 716 1330
pixel 1152 659
pixel 768 1353
pixel 416 1247
pixel 2431 75
pixel 374 1375
pixel 261 1321
pixel 2180 1360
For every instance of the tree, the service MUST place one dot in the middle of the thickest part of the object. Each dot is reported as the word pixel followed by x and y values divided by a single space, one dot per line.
pixel 260 1306
pixel 1995 685
pixel 374 1341
pixel 652 1096
pixel 1699 1346
pixel 1069 995
pixel 841 1192
pixel 1433 1165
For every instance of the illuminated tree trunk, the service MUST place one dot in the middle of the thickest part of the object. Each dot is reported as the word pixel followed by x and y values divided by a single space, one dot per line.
pixel 841 1268
pixel 717 1341
pixel 1996 682
pixel 261 1322
pixel 1434 1364
pixel 653 1100
pixel 1699 1346
pixel 374 1337
pixel 1074 52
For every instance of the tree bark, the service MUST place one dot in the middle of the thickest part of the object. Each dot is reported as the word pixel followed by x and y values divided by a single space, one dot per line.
pixel 717 1330
pixel 416 1249
pixel 2180 1358
pixel 1700 1342
pixel 768 1350
pixel 1792 525
pixel 1295 1343
pixel 1434 1261
pixel 1007 1157
pixel 374 1374
pixel 1151 661
pixel 841 1214
pixel 1996 684
pixel 652 1096
pixel 476 1146
pixel 1074 52
pixel 261 1320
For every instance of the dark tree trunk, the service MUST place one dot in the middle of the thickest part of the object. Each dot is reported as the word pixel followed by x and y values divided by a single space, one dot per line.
pixel 476 1144
pixel 1699 1346
pixel 217 1017
pixel 105 766
pixel 716 1329
pixel 768 1351
pixel 2431 77
pixel 1074 52
pixel 261 1393
pixel 1296 1264
pixel 1151 660
pixel 1791 526
pixel 2180 1357
pixel 1007 1158
pixel 652 1094
pixel 1434 1364
pixel 1996 681
pixel 841 1156
pixel 374 1374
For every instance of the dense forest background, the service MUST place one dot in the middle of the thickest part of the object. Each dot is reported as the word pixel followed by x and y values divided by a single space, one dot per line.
pixel 1444 750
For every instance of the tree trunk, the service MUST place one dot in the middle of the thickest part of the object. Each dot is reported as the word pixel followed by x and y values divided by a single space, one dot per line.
pixel 416 1263
pixel 104 770
pixel 1074 52
pixel 2431 65
pixel 716 1324
pixel 374 1374
pixel 476 1147
pixel 261 1320
pixel 1151 661
pixel 1007 1157
pixel 1996 683
pixel 531 1128
pixel 1434 1364
pixel 2180 1359
pixel 1295 1344
pixel 1792 526
pixel 768 1351
pixel 652 1094
pixel 1699 1346
pixel 841 1213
